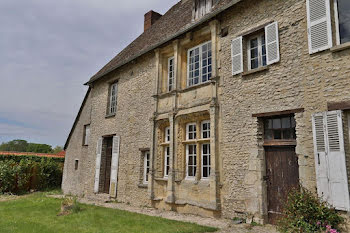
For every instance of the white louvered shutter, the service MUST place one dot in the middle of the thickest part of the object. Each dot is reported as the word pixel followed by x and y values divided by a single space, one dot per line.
pixel 272 43
pixel 114 167
pixel 336 160
pixel 321 160
pixel 237 55
pixel 98 164
pixel 319 25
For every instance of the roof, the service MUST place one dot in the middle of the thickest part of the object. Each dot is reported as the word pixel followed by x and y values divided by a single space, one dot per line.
pixel 58 155
pixel 175 22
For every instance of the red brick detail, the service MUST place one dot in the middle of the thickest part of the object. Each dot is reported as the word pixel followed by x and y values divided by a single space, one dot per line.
pixel 150 18
pixel 61 154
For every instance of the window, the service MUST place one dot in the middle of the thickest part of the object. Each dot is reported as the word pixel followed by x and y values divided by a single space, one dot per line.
pixel 205 161
pixel 76 164
pixel 171 74
pixel 191 152
pixel 166 161
pixel 146 167
pixel 256 51
pixel 113 99
pixel 262 49
pixel 282 128
pixel 342 17
pixel 205 129
pixel 191 131
pixel 199 64
pixel 167 134
pixel 86 135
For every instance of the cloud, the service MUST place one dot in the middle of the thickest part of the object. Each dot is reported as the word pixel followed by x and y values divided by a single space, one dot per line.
pixel 49 49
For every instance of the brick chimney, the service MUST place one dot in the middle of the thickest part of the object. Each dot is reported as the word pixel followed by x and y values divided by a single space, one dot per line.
pixel 150 18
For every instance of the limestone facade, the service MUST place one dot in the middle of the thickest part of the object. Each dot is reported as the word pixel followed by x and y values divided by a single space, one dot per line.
pixel 300 83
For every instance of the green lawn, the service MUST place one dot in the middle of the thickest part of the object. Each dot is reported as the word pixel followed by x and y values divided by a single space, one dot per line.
pixel 38 214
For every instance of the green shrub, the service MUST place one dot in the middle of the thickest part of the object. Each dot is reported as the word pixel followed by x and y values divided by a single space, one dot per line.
pixel 306 213
pixel 24 173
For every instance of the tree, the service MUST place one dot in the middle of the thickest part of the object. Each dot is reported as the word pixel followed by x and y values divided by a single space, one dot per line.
pixel 39 148
pixel 14 145
pixel 57 149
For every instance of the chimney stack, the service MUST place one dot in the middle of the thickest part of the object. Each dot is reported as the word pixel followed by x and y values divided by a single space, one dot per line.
pixel 150 18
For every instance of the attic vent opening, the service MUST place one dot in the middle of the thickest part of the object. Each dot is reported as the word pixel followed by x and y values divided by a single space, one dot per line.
pixel 202 7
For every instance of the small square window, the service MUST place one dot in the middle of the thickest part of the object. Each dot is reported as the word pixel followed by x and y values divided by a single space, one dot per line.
pixel 76 164
pixel 256 51
pixel 113 93
pixel 171 73
pixel 146 167
pixel 205 129
pixel 86 135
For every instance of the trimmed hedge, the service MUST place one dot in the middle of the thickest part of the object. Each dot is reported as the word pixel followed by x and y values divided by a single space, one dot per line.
pixel 20 174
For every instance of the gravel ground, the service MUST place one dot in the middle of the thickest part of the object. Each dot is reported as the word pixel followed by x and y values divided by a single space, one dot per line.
pixel 225 226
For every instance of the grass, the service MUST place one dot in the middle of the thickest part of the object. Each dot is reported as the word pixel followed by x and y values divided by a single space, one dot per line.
pixel 38 213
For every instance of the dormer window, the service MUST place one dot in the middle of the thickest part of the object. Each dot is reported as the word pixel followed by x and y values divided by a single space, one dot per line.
pixel 202 7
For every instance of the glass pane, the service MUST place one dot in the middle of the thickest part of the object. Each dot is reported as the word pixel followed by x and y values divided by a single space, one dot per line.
pixel 344 20
pixel 268 134
pixel 286 122
pixel 190 171
pixel 205 47
pixel 254 43
pixel 254 53
pixel 254 63
pixel 190 160
pixel 268 124
pixel 287 134
pixel 293 122
pixel 205 160
pixel 205 172
pixel 276 123
pixel 277 134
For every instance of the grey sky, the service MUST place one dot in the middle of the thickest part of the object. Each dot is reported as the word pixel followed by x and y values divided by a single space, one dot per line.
pixel 48 49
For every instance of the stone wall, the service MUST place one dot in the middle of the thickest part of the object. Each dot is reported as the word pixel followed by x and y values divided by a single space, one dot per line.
pixel 299 80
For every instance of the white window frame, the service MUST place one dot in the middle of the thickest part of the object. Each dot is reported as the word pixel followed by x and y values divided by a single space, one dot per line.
pixel 171 74
pixel 86 135
pixel 202 161
pixel 167 137
pixel 166 161
pixel 112 108
pixel 147 158
pixel 192 132
pixel 336 21
pixel 200 47
pixel 203 131
pixel 188 177
pixel 260 60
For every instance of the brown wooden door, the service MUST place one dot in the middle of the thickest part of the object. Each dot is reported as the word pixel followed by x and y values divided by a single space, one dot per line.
pixel 108 161
pixel 282 175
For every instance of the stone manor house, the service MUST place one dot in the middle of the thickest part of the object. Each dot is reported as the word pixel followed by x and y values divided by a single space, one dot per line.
pixel 219 108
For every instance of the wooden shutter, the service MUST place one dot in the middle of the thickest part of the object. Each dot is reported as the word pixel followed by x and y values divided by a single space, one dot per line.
pixel 332 182
pixel 114 167
pixel 319 25
pixel 272 43
pixel 321 159
pixel 98 164
pixel 237 55
pixel 336 159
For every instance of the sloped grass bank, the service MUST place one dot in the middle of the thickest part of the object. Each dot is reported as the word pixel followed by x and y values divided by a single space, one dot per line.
pixel 38 213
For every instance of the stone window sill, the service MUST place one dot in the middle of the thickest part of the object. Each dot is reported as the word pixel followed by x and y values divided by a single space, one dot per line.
pixel 258 70
pixel 161 179
pixel 340 47
pixel 110 115
pixel 143 186
pixel 195 86
pixel 165 144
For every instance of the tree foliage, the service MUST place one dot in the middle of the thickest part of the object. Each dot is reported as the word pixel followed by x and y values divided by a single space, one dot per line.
pixel 23 146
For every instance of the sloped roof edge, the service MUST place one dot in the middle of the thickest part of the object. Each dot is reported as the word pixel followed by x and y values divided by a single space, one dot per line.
pixel 179 33
pixel 77 118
